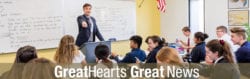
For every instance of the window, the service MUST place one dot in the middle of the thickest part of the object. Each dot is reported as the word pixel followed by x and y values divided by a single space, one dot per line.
pixel 196 10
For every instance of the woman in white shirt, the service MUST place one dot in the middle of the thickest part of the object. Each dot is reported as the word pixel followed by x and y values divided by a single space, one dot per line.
pixel 68 53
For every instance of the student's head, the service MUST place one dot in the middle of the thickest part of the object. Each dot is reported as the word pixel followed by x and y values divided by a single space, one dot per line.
pixel 168 55
pixel 66 50
pixel 102 52
pixel 186 31
pixel 238 35
pixel 87 9
pixel 234 0
pixel 25 54
pixel 40 68
pixel 220 31
pixel 154 41
pixel 217 48
pixel 135 41
pixel 200 37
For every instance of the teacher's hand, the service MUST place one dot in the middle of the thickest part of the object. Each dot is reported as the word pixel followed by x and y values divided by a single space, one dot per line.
pixel 84 24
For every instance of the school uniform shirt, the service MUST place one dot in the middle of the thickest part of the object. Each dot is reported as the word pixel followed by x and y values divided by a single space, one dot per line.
pixel 151 56
pixel 227 38
pixel 79 58
pixel 222 69
pixel 243 53
pixel 189 42
pixel 130 57
pixel 198 53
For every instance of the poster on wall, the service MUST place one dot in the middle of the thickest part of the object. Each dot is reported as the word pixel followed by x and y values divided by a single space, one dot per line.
pixel 238 4
pixel 238 17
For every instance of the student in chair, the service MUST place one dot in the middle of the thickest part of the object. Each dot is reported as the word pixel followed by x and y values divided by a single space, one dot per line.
pixel 198 52
pixel 238 37
pixel 136 52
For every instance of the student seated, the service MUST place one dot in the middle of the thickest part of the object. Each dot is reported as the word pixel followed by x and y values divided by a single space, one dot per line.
pixel 198 52
pixel 238 36
pixel 219 55
pixel 102 54
pixel 222 34
pixel 23 55
pixel 187 43
pixel 136 52
pixel 68 53
pixel 155 43
pixel 168 56
pixel 40 68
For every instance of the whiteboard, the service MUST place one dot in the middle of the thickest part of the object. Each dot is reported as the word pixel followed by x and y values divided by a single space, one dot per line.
pixel 30 22
pixel 42 23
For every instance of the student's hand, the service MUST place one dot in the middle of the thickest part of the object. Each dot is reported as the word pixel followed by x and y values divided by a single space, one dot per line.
pixel 191 47
pixel 137 61
pixel 113 54
pixel 181 41
pixel 84 24
pixel 208 60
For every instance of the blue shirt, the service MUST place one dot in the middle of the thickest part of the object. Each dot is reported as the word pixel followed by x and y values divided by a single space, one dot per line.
pixel 243 53
pixel 152 55
pixel 130 57
pixel 198 53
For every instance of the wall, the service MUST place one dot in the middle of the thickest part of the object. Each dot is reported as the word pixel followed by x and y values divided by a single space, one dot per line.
pixel 148 23
pixel 175 17
pixel 216 13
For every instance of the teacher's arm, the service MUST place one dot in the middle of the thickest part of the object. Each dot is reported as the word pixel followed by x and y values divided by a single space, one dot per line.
pixel 82 21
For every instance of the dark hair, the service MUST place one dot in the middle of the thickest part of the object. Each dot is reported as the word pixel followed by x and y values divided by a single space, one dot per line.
pixel 156 39
pixel 25 54
pixel 86 5
pixel 222 47
pixel 39 68
pixel 186 29
pixel 201 36
pixel 223 28
pixel 102 51
pixel 136 39
pixel 239 31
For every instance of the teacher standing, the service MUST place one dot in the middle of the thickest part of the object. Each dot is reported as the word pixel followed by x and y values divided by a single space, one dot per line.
pixel 87 27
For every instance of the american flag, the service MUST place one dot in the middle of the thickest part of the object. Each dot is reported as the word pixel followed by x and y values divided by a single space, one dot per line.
pixel 161 5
